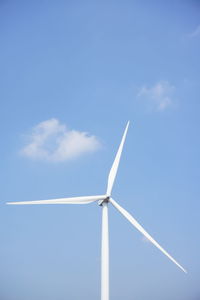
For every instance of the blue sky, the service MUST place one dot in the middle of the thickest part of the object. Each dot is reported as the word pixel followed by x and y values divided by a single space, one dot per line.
pixel 72 74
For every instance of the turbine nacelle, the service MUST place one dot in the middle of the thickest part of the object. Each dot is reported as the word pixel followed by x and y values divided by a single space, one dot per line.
pixel 106 200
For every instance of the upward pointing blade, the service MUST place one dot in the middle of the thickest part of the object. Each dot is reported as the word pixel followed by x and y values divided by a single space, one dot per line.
pixel 144 232
pixel 113 170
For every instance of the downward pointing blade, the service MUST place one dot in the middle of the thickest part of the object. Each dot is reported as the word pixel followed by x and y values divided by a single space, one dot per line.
pixel 144 232
pixel 113 170
pixel 73 200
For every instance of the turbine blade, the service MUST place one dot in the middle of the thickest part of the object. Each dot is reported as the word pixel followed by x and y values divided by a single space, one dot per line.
pixel 73 200
pixel 144 232
pixel 113 170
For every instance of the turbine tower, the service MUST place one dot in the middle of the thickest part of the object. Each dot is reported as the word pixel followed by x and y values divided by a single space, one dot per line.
pixel 103 201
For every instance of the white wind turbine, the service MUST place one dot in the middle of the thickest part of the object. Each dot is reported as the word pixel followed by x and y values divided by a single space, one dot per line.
pixel 103 201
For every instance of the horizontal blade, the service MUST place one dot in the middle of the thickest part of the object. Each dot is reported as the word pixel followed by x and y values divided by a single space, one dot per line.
pixel 143 231
pixel 113 170
pixel 73 200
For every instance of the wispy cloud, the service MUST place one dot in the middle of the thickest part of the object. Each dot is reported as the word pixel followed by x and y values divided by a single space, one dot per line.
pixel 159 96
pixel 196 32
pixel 52 141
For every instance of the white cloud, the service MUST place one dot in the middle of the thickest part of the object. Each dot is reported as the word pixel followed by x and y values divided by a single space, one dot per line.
pixel 159 96
pixel 196 32
pixel 52 141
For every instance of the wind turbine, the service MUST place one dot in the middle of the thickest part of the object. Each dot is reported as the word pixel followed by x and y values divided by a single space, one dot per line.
pixel 103 201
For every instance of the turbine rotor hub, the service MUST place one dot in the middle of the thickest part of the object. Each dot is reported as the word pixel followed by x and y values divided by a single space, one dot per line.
pixel 106 200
